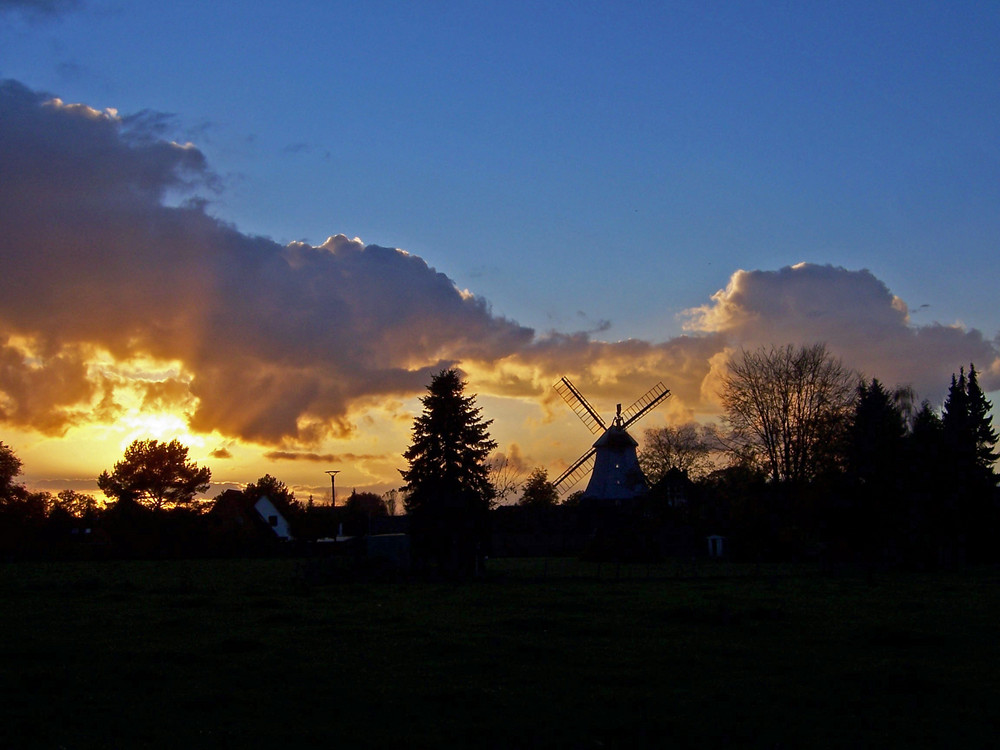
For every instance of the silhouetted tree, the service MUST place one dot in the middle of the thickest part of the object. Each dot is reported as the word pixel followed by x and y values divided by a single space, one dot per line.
pixel 75 504
pixel 277 492
pixel 10 468
pixel 876 438
pixel 367 504
pixel 969 442
pixel 686 447
pixel 927 486
pixel 926 444
pixel 449 492
pixel 15 499
pixel 505 476
pixel 789 405
pixel 156 475
pixel 877 470
pixel 958 432
pixel 968 433
pixel 360 508
pixel 539 492
pixel 22 513
pixel 985 437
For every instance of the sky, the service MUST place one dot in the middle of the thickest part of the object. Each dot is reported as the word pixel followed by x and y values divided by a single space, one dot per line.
pixel 262 228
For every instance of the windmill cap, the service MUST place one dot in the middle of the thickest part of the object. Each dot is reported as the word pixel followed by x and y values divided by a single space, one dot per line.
pixel 616 438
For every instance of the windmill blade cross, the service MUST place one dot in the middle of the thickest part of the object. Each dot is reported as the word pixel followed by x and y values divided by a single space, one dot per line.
pixel 577 470
pixel 587 414
pixel 644 404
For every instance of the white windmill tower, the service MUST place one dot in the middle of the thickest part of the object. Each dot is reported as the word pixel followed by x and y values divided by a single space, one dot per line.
pixel 612 462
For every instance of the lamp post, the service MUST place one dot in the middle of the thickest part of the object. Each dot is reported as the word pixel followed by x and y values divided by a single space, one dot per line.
pixel 333 487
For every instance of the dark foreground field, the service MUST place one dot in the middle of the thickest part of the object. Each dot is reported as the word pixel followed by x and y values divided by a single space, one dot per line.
pixel 244 654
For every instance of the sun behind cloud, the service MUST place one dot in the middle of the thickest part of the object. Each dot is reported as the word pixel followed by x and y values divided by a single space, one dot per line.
pixel 162 426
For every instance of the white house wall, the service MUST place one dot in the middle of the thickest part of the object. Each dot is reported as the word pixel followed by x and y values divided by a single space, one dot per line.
pixel 267 510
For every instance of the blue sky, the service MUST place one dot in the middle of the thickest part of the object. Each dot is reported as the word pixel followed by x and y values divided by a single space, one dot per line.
pixel 611 159
pixel 579 167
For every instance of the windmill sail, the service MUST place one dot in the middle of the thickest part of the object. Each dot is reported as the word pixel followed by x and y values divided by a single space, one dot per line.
pixel 577 471
pixel 587 414
pixel 644 403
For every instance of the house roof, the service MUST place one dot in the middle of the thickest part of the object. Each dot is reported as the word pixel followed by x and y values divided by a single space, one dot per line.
pixel 232 502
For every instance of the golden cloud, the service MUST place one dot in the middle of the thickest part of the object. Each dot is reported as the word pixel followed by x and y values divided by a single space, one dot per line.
pixel 112 301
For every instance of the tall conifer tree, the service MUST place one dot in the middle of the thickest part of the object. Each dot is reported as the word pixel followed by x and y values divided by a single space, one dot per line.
pixel 448 486
pixel 981 423
pixel 957 433
pixel 969 441
pixel 875 452
pixel 876 438
pixel 968 432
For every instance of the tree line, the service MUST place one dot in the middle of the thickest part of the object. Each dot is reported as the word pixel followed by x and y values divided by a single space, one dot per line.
pixel 811 457
pixel 151 510
pixel 810 460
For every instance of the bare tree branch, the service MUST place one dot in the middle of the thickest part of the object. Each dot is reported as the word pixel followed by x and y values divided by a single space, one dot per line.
pixel 789 405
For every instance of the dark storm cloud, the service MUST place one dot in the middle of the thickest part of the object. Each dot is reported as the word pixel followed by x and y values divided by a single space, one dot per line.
pixel 275 342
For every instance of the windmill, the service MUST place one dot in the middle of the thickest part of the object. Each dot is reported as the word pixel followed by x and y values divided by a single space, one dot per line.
pixel 612 460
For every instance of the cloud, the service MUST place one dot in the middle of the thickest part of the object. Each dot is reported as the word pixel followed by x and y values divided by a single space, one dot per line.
pixel 851 311
pixel 274 342
pixel 319 457
pixel 48 393
pixel 855 314
pixel 108 273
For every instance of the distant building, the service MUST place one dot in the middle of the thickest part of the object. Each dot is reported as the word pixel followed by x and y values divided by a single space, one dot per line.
pixel 248 520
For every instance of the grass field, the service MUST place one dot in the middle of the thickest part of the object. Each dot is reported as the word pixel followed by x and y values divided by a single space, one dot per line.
pixel 246 654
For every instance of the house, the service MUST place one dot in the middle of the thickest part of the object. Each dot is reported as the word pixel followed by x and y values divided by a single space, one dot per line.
pixel 269 513
pixel 245 521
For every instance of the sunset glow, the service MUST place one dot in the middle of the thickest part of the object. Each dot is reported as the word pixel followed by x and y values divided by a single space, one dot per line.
pixel 219 262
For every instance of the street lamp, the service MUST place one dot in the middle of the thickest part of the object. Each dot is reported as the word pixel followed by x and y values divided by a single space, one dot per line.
pixel 333 486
